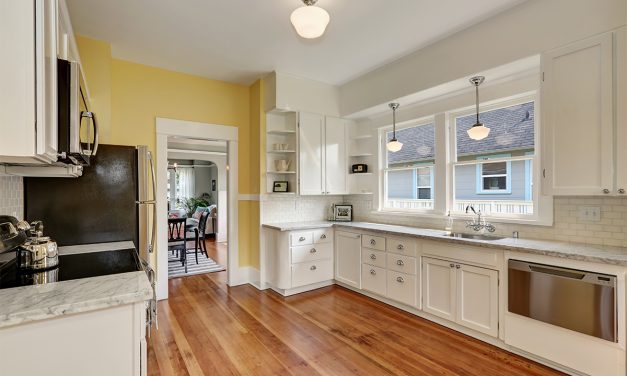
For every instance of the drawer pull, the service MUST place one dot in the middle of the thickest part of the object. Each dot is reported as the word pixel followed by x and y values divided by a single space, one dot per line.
pixel 457 266
pixel 323 236
pixel 373 256
pixel 400 262
pixel 400 279
pixel 301 239
pixel 313 267
pixel 373 272
pixel 400 247
pixel 313 250
pixel 373 242
pixel 451 265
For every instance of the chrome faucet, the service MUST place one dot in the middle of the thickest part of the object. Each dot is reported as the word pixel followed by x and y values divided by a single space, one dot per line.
pixel 477 224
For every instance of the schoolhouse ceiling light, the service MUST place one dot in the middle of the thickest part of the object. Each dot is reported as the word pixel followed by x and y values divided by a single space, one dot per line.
pixel 478 131
pixel 310 21
pixel 394 145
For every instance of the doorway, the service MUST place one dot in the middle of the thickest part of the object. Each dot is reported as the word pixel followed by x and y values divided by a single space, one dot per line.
pixel 189 149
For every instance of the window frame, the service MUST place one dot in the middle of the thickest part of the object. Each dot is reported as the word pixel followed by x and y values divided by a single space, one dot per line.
pixel 383 157
pixel 480 175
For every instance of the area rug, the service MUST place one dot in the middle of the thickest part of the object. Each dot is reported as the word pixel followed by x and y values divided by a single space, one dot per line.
pixel 205 265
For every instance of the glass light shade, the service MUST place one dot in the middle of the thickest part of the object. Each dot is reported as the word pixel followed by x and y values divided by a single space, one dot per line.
pixel 394 146
pixel 310 21
pixel 478 132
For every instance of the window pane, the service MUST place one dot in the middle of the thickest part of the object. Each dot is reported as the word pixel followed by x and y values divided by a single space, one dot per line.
pixel 424 193
pixel 418 146
pixel 402 191
pixel 424 177
pixel 401 184
pixel 499 168
pixel 495 183
pixel 511 128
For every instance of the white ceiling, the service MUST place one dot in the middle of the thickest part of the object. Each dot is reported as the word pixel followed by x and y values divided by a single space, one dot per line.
pixel 242 40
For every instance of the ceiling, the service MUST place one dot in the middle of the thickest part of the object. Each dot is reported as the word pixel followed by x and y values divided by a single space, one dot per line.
pixel 241 40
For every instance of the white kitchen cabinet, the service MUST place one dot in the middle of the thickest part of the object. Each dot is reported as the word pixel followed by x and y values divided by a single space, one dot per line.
pixel 28 104
pixel 298 261
pixel 401 287
pixel 348 258
pixel 374 279
pixel 465 294
pixel 621 109
pixel 335 156
pixel 439 288
pixel 477 298
pixel 322 155
pixel 577 118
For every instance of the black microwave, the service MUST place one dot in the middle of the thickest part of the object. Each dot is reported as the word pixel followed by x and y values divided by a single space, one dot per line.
pixel 75 143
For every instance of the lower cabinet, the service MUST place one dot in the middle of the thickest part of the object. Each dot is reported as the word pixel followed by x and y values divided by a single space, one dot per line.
pixel 373 279
pixel 348 258
pixel 307 273
pixel 401 287
pixel 465 294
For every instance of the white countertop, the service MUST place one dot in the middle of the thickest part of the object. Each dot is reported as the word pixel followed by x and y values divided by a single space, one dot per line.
pixel 574 251
pixel 20 305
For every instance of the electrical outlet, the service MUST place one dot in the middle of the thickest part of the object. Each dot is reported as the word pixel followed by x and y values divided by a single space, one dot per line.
pixel 589 213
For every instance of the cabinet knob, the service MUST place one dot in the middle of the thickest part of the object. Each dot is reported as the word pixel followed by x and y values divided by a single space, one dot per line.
pixel 400 279
pixel 313 250
pixel 373 256
pixel 606 191
pixel 373 272
pixel 451 265
pixel 373 242
pixel 400 263
pixel 313 267
pixel 621 191
pixel 458 266
pixel 301 239
pixel 400 246
pixel 323 236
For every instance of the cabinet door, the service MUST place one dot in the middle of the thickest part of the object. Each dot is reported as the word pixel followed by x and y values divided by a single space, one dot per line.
pixel 477 298
pixel 348 258
pixel 438 284
pixel 46 46
pixel 621 110
pixel 374 279
pixel 311 147
pixel 577 105
pixel 336 167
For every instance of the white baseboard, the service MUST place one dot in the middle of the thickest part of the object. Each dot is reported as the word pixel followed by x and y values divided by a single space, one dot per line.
pixel 246 274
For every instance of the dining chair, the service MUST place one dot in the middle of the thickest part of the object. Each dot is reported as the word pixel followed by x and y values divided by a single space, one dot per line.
pixel 200 235
pixel 177 238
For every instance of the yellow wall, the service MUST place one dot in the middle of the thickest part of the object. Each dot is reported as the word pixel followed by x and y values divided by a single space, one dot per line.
pixel 128 97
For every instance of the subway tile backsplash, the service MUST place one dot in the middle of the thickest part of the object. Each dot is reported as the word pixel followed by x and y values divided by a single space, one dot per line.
pixel 276 209
pixel 12 196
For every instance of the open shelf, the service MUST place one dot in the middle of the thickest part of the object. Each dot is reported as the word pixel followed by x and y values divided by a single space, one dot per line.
pixel 280 151
pixel 360 173
pixel 361 155
pixel 282 193
pixel 281 131
pixel 281 172
pixel 361 137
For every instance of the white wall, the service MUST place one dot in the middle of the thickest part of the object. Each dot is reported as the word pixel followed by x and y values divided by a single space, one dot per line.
pixel 291 93
pixel 525 30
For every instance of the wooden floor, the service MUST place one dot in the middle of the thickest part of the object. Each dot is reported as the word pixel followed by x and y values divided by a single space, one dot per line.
pixel 207 328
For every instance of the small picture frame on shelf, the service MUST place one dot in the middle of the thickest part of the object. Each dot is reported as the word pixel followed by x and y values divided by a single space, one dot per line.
pixel 280 186
pixel 343 213
pixel 359 168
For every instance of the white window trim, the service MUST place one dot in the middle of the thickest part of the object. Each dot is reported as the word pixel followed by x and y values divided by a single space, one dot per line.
pixel 444 185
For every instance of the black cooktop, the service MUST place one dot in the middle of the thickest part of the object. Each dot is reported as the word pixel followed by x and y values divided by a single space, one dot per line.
pixel 75 266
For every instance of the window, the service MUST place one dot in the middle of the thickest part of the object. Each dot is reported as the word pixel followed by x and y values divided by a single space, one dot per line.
pixel 409 172
pixel 493 174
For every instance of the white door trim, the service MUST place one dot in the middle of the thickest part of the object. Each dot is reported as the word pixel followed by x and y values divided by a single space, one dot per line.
pixel 172 127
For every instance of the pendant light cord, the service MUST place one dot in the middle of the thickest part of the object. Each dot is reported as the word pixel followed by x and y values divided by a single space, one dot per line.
pixel 477 96
pixel 394 123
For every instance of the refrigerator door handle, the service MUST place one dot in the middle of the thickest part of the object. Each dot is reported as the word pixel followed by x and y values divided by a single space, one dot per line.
pixel 153 202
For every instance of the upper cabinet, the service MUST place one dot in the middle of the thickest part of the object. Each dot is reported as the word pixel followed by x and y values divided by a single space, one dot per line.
pixel 322 155
pixel 28 107
pixel 583 143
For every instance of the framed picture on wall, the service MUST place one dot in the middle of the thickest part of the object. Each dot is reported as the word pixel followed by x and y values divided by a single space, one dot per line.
pixel 213 185
pixel 279 186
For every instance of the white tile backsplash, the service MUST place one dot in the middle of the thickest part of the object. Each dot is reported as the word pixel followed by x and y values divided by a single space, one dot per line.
pixel 12 196
pixel 277 208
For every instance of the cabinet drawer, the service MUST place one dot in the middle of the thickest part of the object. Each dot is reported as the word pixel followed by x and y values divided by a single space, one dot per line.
pixel 463 253
pixel 372 257
pixel 402 287
pixel 304 253
pixel 374 242
pixel 324 235
pixel 373 279
pixel 400 263
pixel 401 246
pixel 301 238
pixel 307 273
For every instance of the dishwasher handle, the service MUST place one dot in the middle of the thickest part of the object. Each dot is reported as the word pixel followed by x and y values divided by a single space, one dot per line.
pixel 556 271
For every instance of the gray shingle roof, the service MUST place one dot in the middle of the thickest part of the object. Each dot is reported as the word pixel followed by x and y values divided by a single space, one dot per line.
pixel 511 128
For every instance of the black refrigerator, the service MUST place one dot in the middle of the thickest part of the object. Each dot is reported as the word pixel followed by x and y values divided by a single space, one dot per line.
pixel 107 204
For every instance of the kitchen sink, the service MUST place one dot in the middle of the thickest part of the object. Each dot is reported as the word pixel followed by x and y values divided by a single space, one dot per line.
pixel 473 236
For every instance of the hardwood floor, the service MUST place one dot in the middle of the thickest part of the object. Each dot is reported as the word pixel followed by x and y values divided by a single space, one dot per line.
pixel 208 328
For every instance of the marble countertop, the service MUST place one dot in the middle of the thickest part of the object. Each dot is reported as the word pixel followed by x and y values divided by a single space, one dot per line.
pixel 21 305
pixel 573 251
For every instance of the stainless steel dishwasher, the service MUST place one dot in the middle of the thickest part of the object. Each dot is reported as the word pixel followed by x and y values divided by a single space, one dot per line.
pixel 573 299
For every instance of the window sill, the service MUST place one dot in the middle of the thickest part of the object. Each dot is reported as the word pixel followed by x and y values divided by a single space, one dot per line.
pixel 534 221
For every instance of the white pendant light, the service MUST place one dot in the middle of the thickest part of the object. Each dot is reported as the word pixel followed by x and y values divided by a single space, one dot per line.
pixel 310 21
pixel 394 145
pixel 478 131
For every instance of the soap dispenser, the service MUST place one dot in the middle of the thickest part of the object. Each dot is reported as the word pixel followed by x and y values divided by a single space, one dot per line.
pixel 449 223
